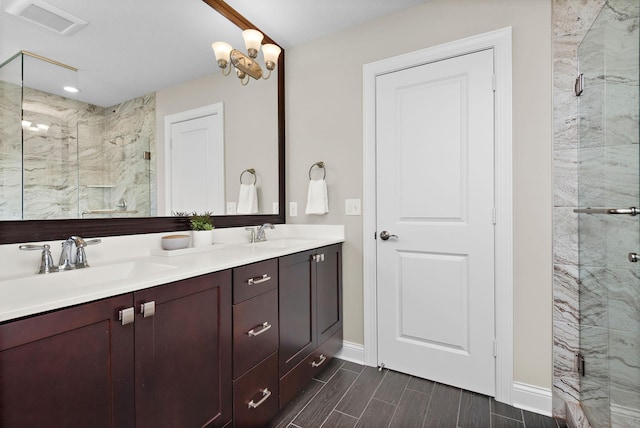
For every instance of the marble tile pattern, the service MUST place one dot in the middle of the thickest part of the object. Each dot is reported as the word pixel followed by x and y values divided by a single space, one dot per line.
pixel 571 19
pixel 10 151
pixel 597 305
pixel 89 158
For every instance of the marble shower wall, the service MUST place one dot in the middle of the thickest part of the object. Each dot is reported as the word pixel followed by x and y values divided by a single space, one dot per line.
pixel 89 158
pixel 606 150
pixel 10 152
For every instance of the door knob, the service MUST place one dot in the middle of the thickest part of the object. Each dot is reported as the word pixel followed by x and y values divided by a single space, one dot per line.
pixel 384 235
pixel 633 257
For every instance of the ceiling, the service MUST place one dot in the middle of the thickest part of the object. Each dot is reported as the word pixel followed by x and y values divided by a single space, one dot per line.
pixel 131 48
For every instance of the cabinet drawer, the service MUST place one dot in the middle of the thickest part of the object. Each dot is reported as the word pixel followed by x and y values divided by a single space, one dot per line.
pixel 255 331
pixel 255 394
pixel 254 279
pixel 317 361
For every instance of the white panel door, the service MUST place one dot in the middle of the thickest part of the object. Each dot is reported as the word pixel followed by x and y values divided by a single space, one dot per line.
pixel 435 191
pixel 197 165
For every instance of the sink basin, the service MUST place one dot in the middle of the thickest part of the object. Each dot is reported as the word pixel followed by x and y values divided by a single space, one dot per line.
pixel 84 277
pixel 281 243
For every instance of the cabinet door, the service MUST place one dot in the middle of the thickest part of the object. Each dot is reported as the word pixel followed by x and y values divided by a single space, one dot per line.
pixel 183 354
pixel 69 368
pixel 328 292
pixel 297 309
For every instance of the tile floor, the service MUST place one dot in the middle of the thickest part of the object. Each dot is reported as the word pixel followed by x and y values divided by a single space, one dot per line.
pixel 351 395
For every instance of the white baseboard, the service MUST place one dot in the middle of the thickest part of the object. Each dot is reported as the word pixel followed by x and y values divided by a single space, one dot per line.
pixel 532 398
pixel 353 352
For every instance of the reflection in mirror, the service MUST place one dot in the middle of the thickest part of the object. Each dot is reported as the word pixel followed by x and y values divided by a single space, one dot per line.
pixel 133 70
pixel 100 161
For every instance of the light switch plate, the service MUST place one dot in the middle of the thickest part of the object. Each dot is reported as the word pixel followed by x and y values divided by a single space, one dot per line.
pixel 231 208
pixel 352 207
pixel 293 209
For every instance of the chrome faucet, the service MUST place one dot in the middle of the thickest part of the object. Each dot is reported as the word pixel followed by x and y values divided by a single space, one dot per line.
pixel 260 233
pixel 72 255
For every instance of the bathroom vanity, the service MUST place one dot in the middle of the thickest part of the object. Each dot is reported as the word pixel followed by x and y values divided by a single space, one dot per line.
pixel 227 337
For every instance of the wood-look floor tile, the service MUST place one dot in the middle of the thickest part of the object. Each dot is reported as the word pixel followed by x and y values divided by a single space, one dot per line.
pixel 498 421
pixel 506 410
pixel 534 420
pixel 325 401
pixel 411 410
pixel 443 407
pixel 333 366
pixel 358 396
pixel 340 420
pixel 392 386
pixel 291 410
pixel 378 414
pixel 421 385
pixel 475 410
pixel 354 367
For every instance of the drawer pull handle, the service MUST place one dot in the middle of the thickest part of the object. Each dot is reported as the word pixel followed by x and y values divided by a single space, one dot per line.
pixel 265 396
pixel 148 309
pixel 265 326
pixel 127 316
pixel 322 360
pixel 258 279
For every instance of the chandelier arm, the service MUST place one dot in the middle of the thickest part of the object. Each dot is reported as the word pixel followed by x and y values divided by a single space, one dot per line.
pixel 226 70
pixel 245 81
pixel 267 76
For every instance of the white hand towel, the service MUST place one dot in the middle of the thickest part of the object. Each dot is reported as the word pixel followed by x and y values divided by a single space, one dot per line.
pixel 317 198
pixel 248 199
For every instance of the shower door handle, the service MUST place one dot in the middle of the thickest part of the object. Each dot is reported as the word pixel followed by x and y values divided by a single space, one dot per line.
pixel 633 257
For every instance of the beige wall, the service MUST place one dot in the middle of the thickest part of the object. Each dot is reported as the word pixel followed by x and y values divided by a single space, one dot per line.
pixel 251 130
pixel 324 122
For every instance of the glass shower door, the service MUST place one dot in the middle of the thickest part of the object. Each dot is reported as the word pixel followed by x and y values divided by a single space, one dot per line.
pixel 608 177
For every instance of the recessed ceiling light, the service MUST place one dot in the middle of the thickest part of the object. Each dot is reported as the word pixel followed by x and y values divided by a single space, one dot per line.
pixel 71 89
pixel 43 127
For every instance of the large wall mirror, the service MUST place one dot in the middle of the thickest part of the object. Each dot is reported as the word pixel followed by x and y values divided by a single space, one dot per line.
pixel 122 117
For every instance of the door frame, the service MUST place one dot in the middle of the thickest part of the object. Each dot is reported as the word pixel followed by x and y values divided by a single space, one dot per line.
pixel 500 42
pixel 196 113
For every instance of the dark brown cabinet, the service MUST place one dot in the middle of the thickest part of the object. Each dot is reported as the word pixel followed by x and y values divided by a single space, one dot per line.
pixel 69 368
pixel 81 367
pixel 310 305
pixel 182 353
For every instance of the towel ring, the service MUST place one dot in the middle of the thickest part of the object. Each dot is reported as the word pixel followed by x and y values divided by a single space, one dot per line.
pixel 250 171
pixel 319 165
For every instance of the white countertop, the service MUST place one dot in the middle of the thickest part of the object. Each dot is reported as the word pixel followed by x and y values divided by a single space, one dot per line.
pixel 124 264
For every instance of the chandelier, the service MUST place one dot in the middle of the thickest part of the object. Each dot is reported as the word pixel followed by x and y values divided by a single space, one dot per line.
pixel 246 65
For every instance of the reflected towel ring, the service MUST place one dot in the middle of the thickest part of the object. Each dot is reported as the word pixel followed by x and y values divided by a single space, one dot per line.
pixel 250 171
pixel 319 165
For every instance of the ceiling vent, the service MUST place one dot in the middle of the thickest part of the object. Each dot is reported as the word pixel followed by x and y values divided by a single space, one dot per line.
pixel 47 16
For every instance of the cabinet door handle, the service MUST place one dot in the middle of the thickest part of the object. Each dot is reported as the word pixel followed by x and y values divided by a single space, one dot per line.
pixel 265 396
pixel 265 326
pixel 318 258
pixel 127 316
pixel 318 364
pixel 148 309
pixel 258 279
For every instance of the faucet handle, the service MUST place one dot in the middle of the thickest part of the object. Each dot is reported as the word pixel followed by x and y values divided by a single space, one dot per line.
pixel 46 262
pixel 81 255
pixel 253 233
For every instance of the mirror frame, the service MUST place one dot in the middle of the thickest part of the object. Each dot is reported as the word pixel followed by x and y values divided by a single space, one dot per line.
pixel 18 231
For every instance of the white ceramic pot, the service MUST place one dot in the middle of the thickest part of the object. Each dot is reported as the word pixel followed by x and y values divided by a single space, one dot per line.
pixel 200 238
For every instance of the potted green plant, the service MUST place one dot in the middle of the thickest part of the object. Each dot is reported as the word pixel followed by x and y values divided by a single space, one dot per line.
pixel 202 228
